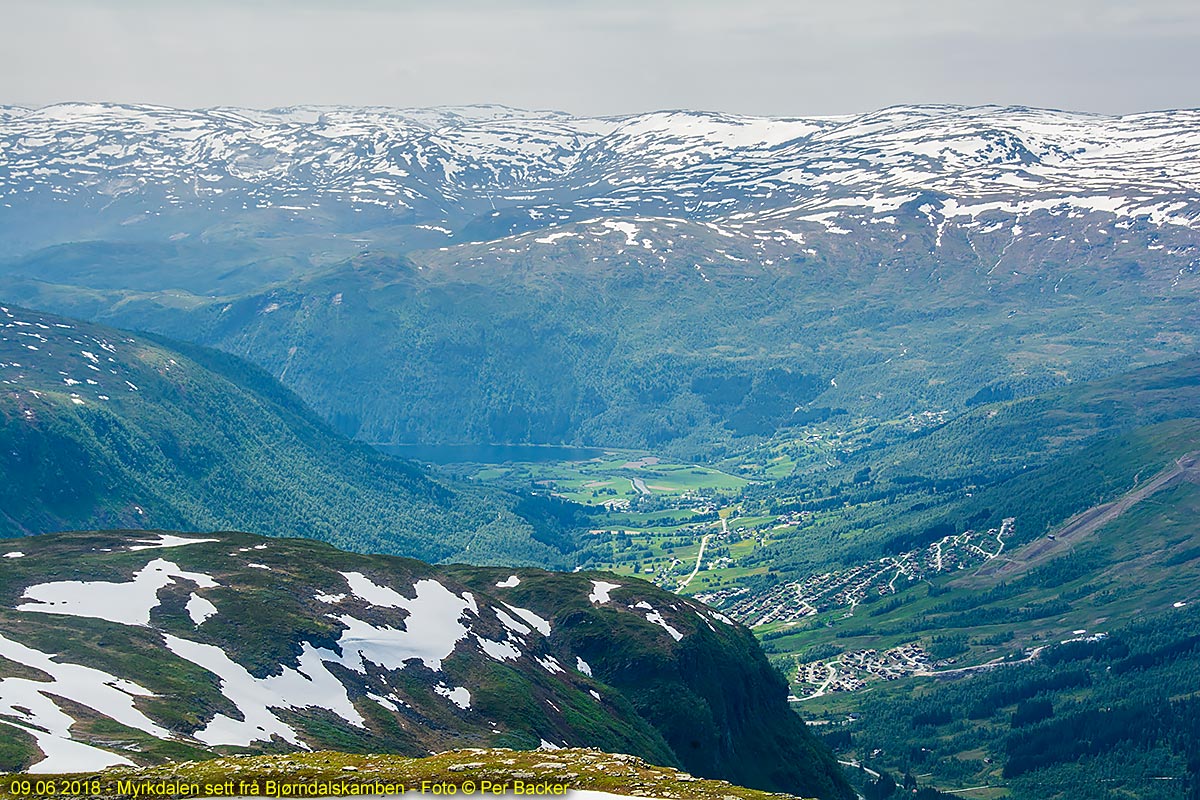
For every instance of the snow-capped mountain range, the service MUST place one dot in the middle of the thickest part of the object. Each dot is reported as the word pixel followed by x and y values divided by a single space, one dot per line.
pixel 442 168
pixel 1063 236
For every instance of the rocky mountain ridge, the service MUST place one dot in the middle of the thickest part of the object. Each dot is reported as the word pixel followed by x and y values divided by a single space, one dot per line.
pixel 133 648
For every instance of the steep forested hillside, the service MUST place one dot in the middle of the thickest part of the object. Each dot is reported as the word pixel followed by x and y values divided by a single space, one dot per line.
pixel 1039 459
pixel 99 427
pixel 1107 714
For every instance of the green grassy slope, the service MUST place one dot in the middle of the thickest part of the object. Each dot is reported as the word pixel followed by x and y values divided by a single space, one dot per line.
pixel 488 772
pixel 1039 459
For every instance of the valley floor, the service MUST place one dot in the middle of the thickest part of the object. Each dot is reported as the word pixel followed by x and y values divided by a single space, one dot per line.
pixel 971 607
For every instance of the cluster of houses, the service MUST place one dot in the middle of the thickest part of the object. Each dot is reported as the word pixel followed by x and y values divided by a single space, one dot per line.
pixel 891 664
pixel 851 671
pixel 848 588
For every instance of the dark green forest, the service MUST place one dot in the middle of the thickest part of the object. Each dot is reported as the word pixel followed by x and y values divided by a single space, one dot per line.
pixel 1100 718
pixel 209 442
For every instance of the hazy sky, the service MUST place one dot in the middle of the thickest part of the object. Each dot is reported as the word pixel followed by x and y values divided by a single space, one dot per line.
pixel 776 57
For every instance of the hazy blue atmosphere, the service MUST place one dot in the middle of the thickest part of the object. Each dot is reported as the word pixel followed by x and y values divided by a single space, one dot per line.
pixel 813 406
pixel 771 57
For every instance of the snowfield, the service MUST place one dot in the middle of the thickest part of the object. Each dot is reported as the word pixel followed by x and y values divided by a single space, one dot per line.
pixel 128 603
pixel 746 175
pixel 600 591
pixel 33 702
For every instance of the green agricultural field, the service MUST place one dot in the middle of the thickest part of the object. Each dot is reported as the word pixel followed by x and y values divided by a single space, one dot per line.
pixel 618 475
pixel 646 516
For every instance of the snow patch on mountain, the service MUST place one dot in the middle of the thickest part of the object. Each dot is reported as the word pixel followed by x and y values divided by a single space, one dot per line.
pixel 307 686
pixel 459 695
pixel 168 540
pixel 541 624
pixel 129 603
pixel 33 702
pixel 200 609
pixel 601 590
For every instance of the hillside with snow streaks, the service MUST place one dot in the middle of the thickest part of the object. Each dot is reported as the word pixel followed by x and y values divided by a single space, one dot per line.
pixel 435 621
pixel 444 168
pixel 303 647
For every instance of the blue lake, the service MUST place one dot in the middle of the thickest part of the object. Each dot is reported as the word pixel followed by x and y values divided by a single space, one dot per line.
pixel 489 453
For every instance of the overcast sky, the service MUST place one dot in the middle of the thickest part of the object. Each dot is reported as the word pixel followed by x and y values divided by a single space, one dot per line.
pixel 771 57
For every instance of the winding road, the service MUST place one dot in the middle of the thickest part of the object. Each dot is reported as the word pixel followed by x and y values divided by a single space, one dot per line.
pixel 700 555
